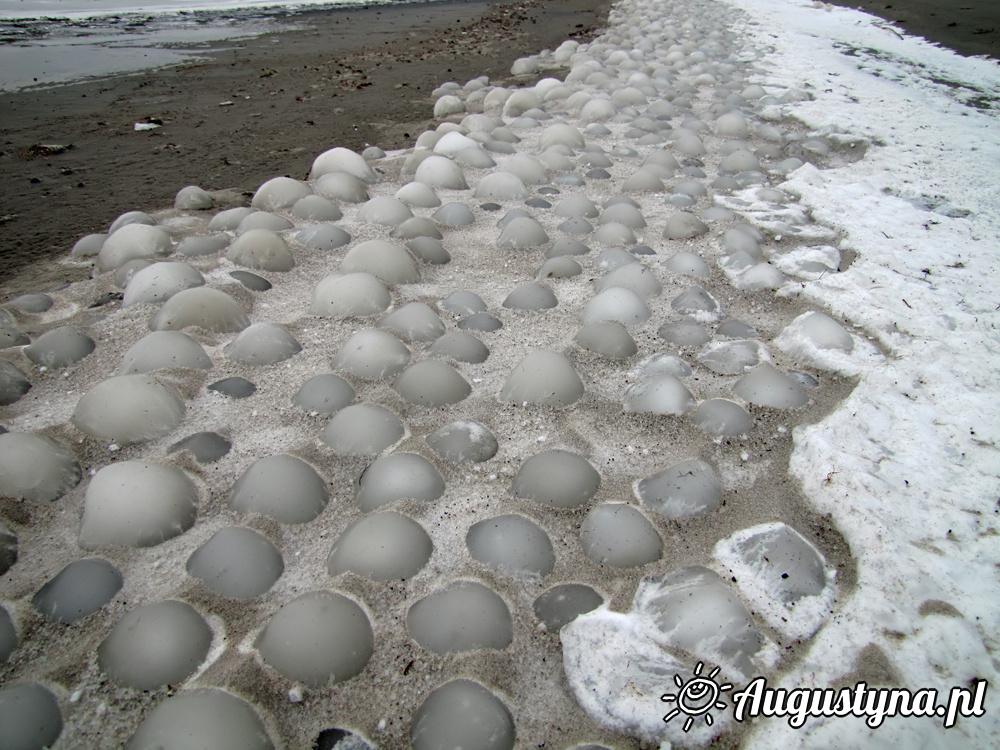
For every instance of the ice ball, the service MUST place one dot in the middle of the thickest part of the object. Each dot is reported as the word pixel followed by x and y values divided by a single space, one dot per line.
pixel 564 603
pixel 388 262
pixel 556 478
pixel 395 477
pixel 29 717
pixel 78 590
pixel 207 308
pixel 512 545
pixel 283 487
pixel 660 393
pixel 464 441
pixel 164 349
pixel 384 546
pixel 362 430
pixel 543 377
pixel 618 535
pixel 324 394
pixel 60 347
pixel 462 714
pixel 129 409
pixel 238 563
pixel 262 249
pixel 372 354
pixel 262 344
pixel 432 383
pixel 36 467
pixel 206 717
pixel 686 489
pixel 766 386
pixel 463 616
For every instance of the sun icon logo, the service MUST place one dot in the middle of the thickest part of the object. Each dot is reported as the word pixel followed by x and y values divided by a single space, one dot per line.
pixel 697 697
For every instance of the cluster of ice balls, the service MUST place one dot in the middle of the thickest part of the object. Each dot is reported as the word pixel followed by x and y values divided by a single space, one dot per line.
pixel 668 98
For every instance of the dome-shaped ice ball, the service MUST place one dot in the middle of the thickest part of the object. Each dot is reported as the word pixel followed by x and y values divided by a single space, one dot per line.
pixel 682 226
pixel 460 346
pixel 372 354
pixel 131 217
pixel 790 566
pixel 163 349
pixel 684 333
pixel 283 487
pixel 698 303
pixel 441 172
pixel 129 409
pixel 385 546
pixel 618 535
pixel 511 545
pixel 202 718
pixel 78 590
pixel 528 170
pixel 561 134
pixel 418 194
pixel 193 198
pixel 316 208
pixel 464 441
pixel 732 125
pixel 397 476
pixel 279 193
pixel 155 645
pixel 577 206
pixel 564 603
pixel 342 160
pixel 362 430
pixel 88 245
pixel 130 242
pixel 688 264
pixel 415 321
pixel 137 504
pixel 823 332
pixel 388 262
pixel 616 303
pixel 661 393
pixel 607 337
pixel 464 616
pixel 414 227
pixel 324 394
pixel 432 383
pixel 263 220
pixel 384 210
pixel 204 307
pixel 722 417
pixel 686 489
pixel 60 347
pixel 522 232
pixel 530 296
pixel 238 563
pixel 614 234
pixel 262 344
pixel 448 105
pixel 426 248
pixel 633 276
pixel 263 249
pixel 354 294
pixel 501 186
pixel 320 638
pixel 342 186
pixel 543 377
pixel 160 281
pixel 229 219
pixel 29 717
pixel 36 467
pixel 766 386
pixel 454 214
pixel 462 714
pixel 623 213
pixel 556 478
pixel 453 143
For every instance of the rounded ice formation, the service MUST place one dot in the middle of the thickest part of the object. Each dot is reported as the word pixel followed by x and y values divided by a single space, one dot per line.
pixel 564 603
pixel 454 215
pixel 362 430
pixel 790 566
pixel 462 714
pixel 722 417
pixel 460 346
pixel 341 159
pixel 428 250
pixel 324 394
pixel 698 303
pixel 731 357
pixel 384 210
pixel 8 635
pixel 624 214
pixel 684 333
pixel 262 344
pixel 759 277
pixel 614 234
pixel 372 354
pixel 235 387
pixel 577 206
pixel 661 363
pixel 316 208
pixel 556 478
pixel 202 718
pixel 441 172
pixel 207 308
pixel 560 267
pixel 566 246
pixel 193 198
pixel 618 535
pixel 463 616
pixel 206 447
pixel 522 232
pixel 385 546
pixel 512 545
pixel 130 242
pixel 531 296
pixel 501 186
pixel 395 477
pixel 29 717
pixel 418 227
pixel 36 467
pixel 197 245
pixel 607 337
pixel 766 386
pixel 320 638
pixel 689 488
pixel 261 249
pixel 155 645
pixel 354 294
pixel 131 217
pixel 618 304
pixel 60 347
pixel 13 383
pixel 480 321
pixel 543 377
pixel 342 186
pixel 10 337
pixel 228 220
pixel 388 262
pixel 137 504
pixel 661 393
pixel 633 276
pixel 683 226
pixel 283 487
pixel 415 321
pixel 238 563
pixel 431 383
pixel 463 442
pixel 823 331
pixel 160 281
pixel 279 193
pixel 129 409
pixel 78 590
pixel 263 220
pixel 164 349
pixel 32 303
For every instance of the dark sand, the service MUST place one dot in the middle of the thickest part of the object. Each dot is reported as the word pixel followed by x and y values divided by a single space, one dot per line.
pixel 351 78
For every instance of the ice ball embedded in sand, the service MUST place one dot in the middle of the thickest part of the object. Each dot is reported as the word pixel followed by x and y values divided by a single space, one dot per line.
pixel 576 225
pixel 453 143
pixel 614 257
pixel 362 430
pixel 342 186
pixel 561 134
pixel 234 387
pixel 660 363
pixel 720 416
pixel 463 303
pixel 131 242
pixel 454 214
pixel 353 294
pixel 525 168
pixel 279 193
pixel 206 447
pixel 688 264
pixel 614 233
pixel 683 226
pixel 384 210
pixel 512 545
pixel 618 535
pixel 320 638
pixel 316 208
pixel 262 249
pixel 790 567
pixel 543 377
pixel 131 217
pixel 732 357
pixel 36 467
pixel 60 347
pixel 459 346
pixel 415 321
pixel 740 160
pixel 193 198
pixel 205 717
pixel 766 386
pixel 204 307
pixel 522 232
pixel 441 172
pixel 698 303
pixel 577 206
pixel 385 546
pixel 426 248
pixel 622 213
pixel 556 478
pixel 324 394
pixel 520 101
pixel 155 645
pixel 129 409
pixel 732 125
pixel 661 393
pixel 262 344
pixel 199 245
pixel 8 635
pixel 501 186
pixel 283 487
pixel 462 714
pixel 560 267
pixel 387 261
pixel 821 331
pixel 13 383
pixel 372 354
pixel 684 333
pixel 464 441
pixel 686 489
pixel 228 220
pixel 607 337
pixel 342 160
pixel 431 383
pixel 759 277
pixel 160 281
pixel 618 304
pixel 564 603
pixel 566 246
pixel 635 277
pixel 78 590
pixel 416 226
pixel 137 504
pixel 238 563
pixel 263 220
pixel 397 476
pixel 164 349
pixel 531 296
pixel 643 181
pixel 463 616
pixel 29 717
